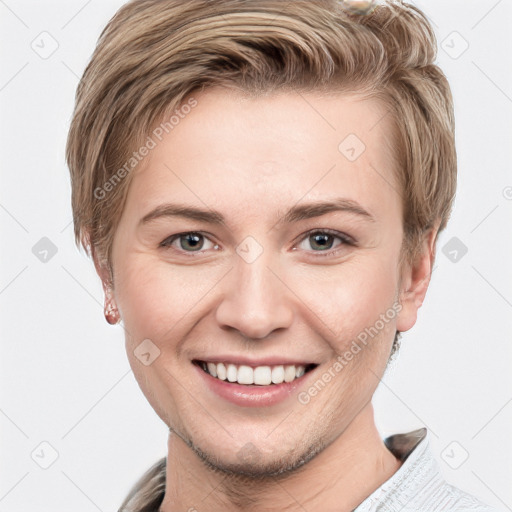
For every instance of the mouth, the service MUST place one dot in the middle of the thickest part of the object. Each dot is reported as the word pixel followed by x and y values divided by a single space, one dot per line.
pixel 252 376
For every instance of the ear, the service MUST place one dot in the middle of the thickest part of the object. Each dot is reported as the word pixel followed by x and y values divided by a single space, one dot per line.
pixel 415 281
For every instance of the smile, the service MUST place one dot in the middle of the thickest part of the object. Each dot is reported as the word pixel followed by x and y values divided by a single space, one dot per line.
pixel 259 375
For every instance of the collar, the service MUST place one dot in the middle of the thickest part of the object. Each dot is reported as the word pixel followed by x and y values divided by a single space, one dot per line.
pixel 418 467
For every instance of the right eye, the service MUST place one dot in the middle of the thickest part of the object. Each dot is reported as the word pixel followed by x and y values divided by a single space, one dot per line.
pixel 189 240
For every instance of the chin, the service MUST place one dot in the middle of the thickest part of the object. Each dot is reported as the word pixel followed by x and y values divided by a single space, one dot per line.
pixel 250 462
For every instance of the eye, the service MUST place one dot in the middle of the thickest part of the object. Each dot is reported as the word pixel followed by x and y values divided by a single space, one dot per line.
pixel 190 240
pixel 322 241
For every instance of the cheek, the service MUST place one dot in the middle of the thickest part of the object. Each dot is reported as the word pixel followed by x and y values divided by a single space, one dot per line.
pixel 156 298
pixel 352 297
pixel 137 296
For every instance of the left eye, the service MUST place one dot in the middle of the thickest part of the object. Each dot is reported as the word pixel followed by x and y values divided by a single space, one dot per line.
pixel 322 239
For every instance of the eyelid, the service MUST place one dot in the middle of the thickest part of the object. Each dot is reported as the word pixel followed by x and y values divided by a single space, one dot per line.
pixel 346 239
pixel 166 243
pixel 343 236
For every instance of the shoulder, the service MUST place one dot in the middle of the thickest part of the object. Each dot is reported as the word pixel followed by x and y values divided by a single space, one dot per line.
pixel 440 496
pixel 419 485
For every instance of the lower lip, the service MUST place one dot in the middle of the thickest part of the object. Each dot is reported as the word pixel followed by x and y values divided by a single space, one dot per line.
pixel 251 395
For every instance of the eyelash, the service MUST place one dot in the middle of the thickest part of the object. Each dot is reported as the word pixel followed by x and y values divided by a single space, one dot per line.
pixel 166 244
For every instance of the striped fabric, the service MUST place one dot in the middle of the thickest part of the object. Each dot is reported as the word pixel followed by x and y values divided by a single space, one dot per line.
pixel 418 485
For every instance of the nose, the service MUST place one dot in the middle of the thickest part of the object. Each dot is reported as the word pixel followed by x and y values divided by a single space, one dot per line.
pixel 256 300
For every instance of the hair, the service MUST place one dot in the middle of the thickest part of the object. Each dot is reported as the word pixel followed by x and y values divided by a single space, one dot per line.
pixel 147 494
pixel 153 55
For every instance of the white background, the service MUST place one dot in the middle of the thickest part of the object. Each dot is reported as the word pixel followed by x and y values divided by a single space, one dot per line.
pixel 65 378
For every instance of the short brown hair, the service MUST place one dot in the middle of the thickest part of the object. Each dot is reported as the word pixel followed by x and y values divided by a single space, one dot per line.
pixel 153 55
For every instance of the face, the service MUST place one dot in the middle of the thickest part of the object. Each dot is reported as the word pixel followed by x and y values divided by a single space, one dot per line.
pixel 294 257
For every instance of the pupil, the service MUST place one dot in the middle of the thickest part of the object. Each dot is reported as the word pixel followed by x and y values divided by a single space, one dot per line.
pixel 322 245
pixel 193 240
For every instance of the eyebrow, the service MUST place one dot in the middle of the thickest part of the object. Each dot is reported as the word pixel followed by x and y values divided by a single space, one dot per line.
pixel 294 214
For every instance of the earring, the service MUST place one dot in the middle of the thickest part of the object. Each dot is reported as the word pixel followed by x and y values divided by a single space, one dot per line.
pixel 110 310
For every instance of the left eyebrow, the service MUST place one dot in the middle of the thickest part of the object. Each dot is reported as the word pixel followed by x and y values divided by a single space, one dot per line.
pixel 294 214
pixel 312 210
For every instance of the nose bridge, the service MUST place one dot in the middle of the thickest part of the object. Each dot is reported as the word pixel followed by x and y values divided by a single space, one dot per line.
pixel 256 281
pixel 255 301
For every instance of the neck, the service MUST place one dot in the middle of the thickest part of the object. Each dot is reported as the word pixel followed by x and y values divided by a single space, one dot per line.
pixel 339 478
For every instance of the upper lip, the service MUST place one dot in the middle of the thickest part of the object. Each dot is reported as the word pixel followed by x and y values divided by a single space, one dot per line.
pixel 264 361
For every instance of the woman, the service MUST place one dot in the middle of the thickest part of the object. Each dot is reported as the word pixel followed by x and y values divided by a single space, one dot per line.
pixel 305 151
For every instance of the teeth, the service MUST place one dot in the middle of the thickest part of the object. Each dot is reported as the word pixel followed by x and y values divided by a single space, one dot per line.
pixel 289 373
pixel 221 371
pixel 245 375
pixel 232 373
pixel 212 369
pixel 278 374
pixel 261 375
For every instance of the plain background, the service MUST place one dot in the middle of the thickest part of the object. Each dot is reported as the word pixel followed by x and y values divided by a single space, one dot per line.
pixel 65 379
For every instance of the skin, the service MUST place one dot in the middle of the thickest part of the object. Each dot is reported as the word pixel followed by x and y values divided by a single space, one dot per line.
pixel 252 159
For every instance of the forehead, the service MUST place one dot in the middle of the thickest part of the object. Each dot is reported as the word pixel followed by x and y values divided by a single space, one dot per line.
pixel 262 153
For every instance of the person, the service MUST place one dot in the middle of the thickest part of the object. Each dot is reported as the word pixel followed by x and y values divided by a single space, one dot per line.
pixel 261 185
